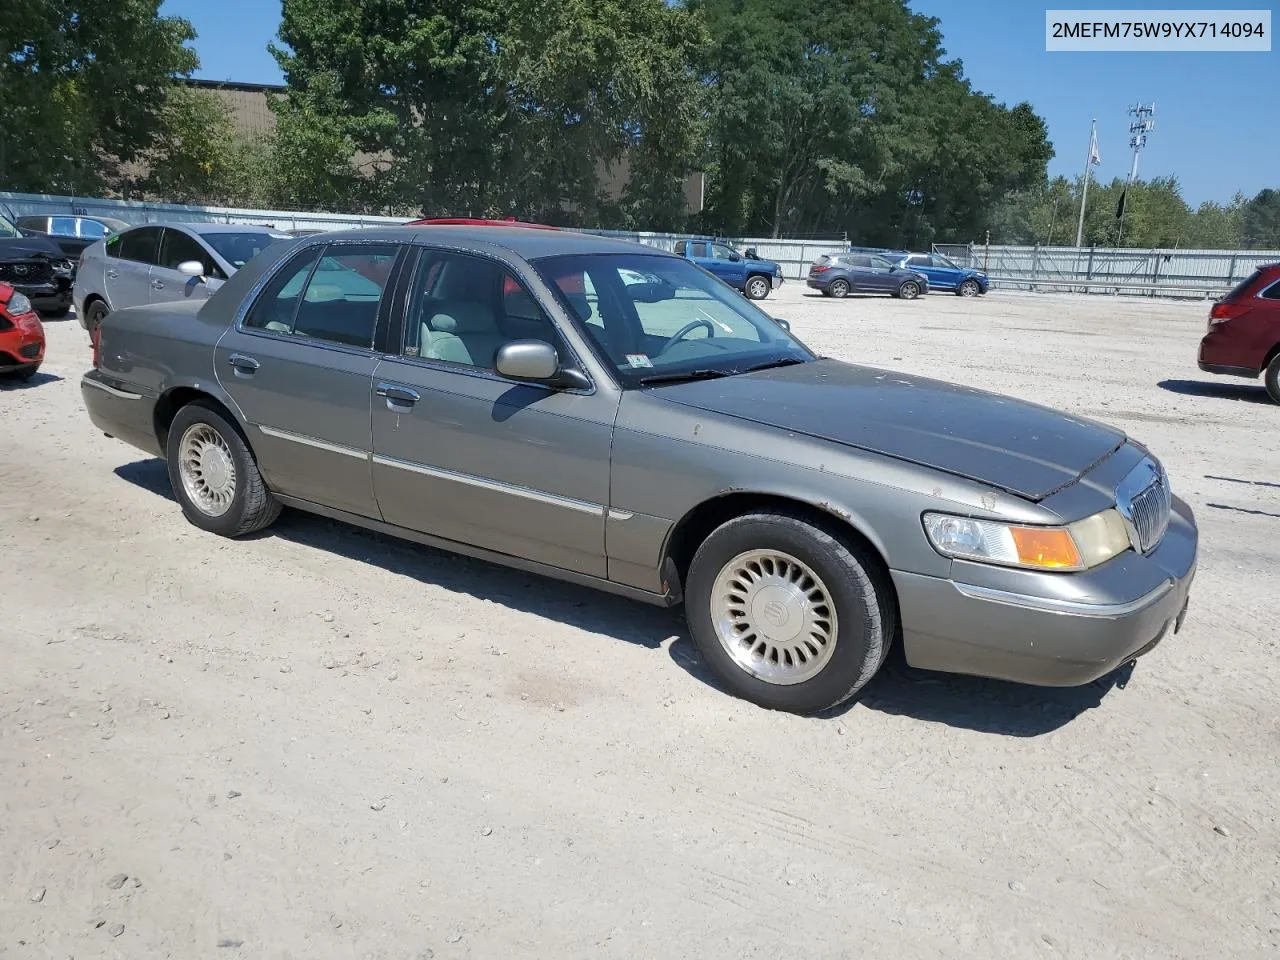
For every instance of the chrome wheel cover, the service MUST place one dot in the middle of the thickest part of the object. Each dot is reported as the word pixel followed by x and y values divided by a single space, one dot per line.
pixel 759 289
pixel 774 617
pixel 910 290
pixel 968 289
pixel 207 469
pixel 839 289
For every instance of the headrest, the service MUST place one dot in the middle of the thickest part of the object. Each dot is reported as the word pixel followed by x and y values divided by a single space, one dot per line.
pixel 462 316
pixel 581 305
pixel 323 293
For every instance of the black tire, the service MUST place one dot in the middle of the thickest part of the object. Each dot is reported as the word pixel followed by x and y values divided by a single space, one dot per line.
pixel 866 612
pixel 1272 378
pixel 55 314
pixel 94 314
pixel 909 290
pixel 839 289
pixel 970 288
pixel 757 287
pixel 252 505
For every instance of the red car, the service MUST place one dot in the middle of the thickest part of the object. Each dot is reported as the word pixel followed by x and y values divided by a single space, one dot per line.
pixel 21 336
pixel 1244 331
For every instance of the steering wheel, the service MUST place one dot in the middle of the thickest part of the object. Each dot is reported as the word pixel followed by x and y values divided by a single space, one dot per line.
pixel 687 329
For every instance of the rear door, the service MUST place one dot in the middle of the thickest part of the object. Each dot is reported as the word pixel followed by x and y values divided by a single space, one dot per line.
pixel 167 283
pixel 131 255
pixel 299 365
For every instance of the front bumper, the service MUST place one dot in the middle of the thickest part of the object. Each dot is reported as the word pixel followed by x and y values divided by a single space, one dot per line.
pixel 1031 636
pixel 51 297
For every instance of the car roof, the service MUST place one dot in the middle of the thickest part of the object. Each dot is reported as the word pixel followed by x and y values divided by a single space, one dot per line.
pixel 198 227
pixel 525 243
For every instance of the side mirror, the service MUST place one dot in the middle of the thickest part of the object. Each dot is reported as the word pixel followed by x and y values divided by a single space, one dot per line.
pixel 191 268
pixel 735 257
pixel 535 361
pixel 784 324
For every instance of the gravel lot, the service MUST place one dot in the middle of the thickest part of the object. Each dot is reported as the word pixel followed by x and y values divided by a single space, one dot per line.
pixel 325 743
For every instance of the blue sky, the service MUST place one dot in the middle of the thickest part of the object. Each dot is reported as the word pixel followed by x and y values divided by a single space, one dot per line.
pixel 1212 130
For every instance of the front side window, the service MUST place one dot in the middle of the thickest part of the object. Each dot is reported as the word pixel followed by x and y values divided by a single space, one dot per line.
pixel 464 308
pixel 940 261
pixel 62 226
pixel 140 245
pixel 659 318
pixel 918 262
pixel 177 247
pixel 721 252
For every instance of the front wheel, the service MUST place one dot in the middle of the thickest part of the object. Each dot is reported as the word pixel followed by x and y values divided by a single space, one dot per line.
pixel 909 290
pixel 1272 378
pixel 787 615
pixel 969 288
pixel 215 476
pixel 839 289
pixel 757 287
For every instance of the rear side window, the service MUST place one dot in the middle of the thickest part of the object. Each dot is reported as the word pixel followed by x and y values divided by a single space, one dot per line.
pixel 62 226
pixel 919 262
pixel 140 245
pixel 92 229
pixel 1272 292
pixel 332 296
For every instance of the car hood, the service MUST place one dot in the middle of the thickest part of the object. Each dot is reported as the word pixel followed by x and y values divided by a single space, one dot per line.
pixel 769 265
pixel 1019 447
pixel 22 248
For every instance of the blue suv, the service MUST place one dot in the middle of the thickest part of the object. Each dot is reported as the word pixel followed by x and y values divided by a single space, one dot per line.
pixel 745 272
pixel 943 274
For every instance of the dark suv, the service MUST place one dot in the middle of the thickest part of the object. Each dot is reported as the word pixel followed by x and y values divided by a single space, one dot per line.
pixel 37 268
pixel 1244 331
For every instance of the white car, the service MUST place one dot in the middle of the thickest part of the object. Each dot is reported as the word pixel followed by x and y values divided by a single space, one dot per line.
pixel 162 263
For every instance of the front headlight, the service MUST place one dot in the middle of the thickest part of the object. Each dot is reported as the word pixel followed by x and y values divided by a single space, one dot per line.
pixel 1077 546
pixel 18 303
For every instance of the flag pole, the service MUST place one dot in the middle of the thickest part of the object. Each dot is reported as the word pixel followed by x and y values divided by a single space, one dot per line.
pixel 1084 193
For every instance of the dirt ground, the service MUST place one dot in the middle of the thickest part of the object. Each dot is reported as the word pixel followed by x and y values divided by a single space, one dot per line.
pixel 325 743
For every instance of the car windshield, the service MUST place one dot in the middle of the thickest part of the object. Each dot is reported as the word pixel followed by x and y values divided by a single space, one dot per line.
pixel 239 248
pixel 661 319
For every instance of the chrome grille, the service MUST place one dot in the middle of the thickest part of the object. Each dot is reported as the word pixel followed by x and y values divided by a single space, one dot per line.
pixel 1146 502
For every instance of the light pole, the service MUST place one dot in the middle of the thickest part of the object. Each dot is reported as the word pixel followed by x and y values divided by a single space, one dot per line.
pixel 1143 123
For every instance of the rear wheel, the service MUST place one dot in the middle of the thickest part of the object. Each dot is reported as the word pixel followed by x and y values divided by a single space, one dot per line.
pixel 215 475
pixel 788 616
pixel 1272 378
pixel 839 289
pixel 757 287
pixel 969 288
pixel 909 290
pixel 94 314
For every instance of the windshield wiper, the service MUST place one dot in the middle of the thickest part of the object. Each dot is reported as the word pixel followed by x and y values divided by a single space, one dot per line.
pixel 701 374
pixel 770 364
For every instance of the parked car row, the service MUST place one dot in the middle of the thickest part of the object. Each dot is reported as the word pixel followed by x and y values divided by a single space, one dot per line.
pixel 37 268
pixel 895 272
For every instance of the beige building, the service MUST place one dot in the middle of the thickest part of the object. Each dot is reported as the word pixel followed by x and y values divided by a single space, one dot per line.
pixel 252 117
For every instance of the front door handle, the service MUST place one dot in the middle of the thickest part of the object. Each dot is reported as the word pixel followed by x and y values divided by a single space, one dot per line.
pixel 112 275
pixel 400 396
pixel 245 366
pixel 157 284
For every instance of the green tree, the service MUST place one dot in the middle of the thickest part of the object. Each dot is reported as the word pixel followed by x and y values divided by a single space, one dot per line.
pixel 1260 221
pixel 491 106
pixel 82 86
pixel 1216 226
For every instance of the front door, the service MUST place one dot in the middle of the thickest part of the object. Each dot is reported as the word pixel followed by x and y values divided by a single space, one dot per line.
pixel 300 364
pixel 464 454
pixel 130 257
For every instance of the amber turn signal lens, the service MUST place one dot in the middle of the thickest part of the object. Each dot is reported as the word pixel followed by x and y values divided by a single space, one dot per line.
pixel 1047 547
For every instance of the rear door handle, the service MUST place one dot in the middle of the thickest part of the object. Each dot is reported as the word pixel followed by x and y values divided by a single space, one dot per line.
pixel 244 365
pixel 112 275
pixel 401 396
